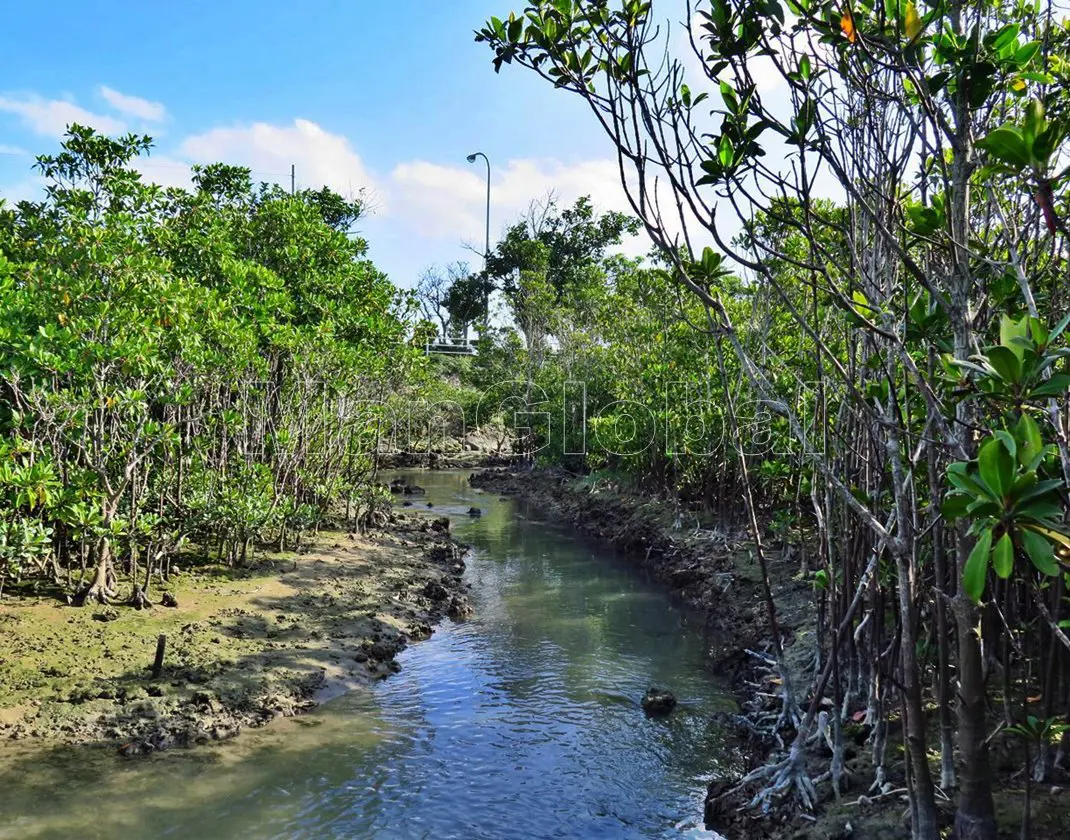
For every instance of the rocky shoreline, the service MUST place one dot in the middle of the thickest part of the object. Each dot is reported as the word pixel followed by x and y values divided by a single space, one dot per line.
pixel 443 460
pixel 243 647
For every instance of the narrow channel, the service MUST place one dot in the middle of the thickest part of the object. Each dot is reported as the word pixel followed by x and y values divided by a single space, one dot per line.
pixel 523 722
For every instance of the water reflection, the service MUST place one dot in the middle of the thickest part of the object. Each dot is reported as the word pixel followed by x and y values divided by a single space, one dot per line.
pixel 523 722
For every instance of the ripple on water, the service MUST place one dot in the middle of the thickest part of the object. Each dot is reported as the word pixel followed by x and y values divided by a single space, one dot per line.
pixel 523 722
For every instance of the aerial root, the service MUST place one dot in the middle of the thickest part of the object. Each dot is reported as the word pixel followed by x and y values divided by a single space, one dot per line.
pixel 787 777
pixel 96 593
pixel 139 600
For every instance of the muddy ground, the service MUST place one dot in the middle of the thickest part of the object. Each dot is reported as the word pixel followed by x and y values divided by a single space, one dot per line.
pixel 712 567
pixel 244 646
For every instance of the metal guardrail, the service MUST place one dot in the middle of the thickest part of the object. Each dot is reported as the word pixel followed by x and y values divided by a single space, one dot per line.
pixel 451 346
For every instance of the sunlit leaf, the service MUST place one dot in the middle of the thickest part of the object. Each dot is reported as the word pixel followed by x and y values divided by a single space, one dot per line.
pixel 1007 145
pixel 1003 557
pixel 913 22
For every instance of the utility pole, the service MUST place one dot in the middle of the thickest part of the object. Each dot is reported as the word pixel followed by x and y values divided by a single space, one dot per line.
pixel 293 179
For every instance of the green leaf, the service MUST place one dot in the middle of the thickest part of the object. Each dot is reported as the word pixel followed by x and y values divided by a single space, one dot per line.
pixel 1003 557
pixel 1008 441
pixel 1011 330
pixel 1006 362
pixel 861 302
pixel 976 569
pixel 1040 489
pixel 1055 333
pixel 960 477
pixel 1008 146
pixel 1031 443
pixel 1038 331
pixel 1041 510
pixel 954 506
pixel 925 220
pixel 1054 387
pixel 1005 36
pixel 725 151
pixel 984 507
pixel 1051 534
pixel 1024 54
pixel 1040 551
pixel 996 466
pixel 1034 121
pixel 729 97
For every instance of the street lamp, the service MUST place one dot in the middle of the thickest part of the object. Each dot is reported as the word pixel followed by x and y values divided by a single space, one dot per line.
pixel 486 249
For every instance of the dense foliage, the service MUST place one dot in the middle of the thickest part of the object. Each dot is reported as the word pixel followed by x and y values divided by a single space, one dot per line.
pixel 204 365
pixel 886 368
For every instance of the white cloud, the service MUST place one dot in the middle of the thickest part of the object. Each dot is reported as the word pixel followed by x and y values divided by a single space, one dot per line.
pixel 321 158
pixel 50 117
pixel 134 106
pixel 164 170
pixel 449 202
pixel 427 199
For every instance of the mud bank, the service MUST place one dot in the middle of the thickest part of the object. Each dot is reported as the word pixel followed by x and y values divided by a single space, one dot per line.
pixel 443 460
pixel 243 646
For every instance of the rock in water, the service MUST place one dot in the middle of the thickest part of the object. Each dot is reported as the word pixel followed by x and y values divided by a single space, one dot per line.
pixel 459 608
pixel 658 702
pixel 474 511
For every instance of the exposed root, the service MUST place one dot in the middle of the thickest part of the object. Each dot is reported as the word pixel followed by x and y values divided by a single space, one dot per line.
pixel 790 716
pixel 139 600
pixel 879 780
pixel 96 593
pixel 786 778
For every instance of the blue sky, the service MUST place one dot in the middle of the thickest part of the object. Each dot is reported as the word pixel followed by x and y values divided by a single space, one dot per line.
pixel 388 97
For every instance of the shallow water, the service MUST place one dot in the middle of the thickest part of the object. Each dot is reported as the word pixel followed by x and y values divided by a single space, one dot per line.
pixel 521 723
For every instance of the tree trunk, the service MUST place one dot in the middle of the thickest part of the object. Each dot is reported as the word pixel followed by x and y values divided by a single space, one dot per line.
pixel 975 818
pixel 100 589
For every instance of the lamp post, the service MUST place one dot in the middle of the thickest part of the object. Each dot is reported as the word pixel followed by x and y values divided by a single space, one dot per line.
pixel 486 248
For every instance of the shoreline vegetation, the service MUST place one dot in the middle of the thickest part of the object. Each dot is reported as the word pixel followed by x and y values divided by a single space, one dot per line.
pixel 244 646
pixel 832 404
pixel 709 564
